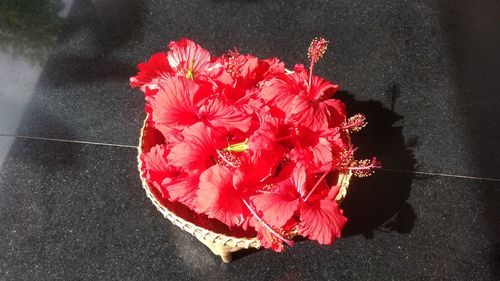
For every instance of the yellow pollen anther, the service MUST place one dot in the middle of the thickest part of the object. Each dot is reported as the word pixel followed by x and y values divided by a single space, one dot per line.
pixel 238 147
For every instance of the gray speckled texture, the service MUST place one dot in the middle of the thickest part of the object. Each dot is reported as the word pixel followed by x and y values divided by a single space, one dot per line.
pixel 426 73
pixel 435 63
pixel 72 211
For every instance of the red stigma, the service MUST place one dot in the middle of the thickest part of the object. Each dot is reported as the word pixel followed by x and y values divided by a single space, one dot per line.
pixel 317 49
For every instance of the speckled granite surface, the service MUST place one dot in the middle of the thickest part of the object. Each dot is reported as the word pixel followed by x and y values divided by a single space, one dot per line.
pixel 426 73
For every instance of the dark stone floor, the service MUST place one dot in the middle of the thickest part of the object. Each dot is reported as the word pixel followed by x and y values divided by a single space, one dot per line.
pixel 426 73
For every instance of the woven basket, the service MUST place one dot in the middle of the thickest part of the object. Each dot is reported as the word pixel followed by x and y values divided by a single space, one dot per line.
pixel 219 243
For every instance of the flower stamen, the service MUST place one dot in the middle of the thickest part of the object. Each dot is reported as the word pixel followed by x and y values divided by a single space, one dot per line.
pixel 354 123
pixel 237 147
pixel 269 228
pixel 316 50
pixel 316 185
pixel 364 168
pixel 190 72
pixel 284 138
pixel 229 159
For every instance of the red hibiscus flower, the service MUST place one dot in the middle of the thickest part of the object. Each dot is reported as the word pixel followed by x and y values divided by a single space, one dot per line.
pixel 305 101
pixel 312 108
pixel 185 58
pixel 315 149
pixel 240 75
pixel 180 102
pixel 188 59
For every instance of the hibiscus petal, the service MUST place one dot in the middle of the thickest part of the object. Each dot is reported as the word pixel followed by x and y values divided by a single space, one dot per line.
pixel 279 205
pixel 334 136
pixel 174 105
pixel 309 114
pixel 321 88
pixel 217 197
pixel 322 154
pixel 182 188
pixel 194 152
pixel 321 220
pixel 260 161
pixel 185 55
pixel 267 239
pixel 222 115
pixel 274 67
pixel 152 72
pixel 337 111
pixel 298 179
pixel 277 208
pixel 156 167
pixel 280 92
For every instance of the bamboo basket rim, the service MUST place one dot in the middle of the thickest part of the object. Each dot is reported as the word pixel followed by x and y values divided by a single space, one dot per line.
pixel 229 243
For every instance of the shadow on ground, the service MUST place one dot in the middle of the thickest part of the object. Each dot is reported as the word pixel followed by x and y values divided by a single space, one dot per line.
pixel 380 202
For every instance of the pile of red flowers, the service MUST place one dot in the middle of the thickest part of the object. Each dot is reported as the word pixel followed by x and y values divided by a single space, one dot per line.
pixel 248 142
